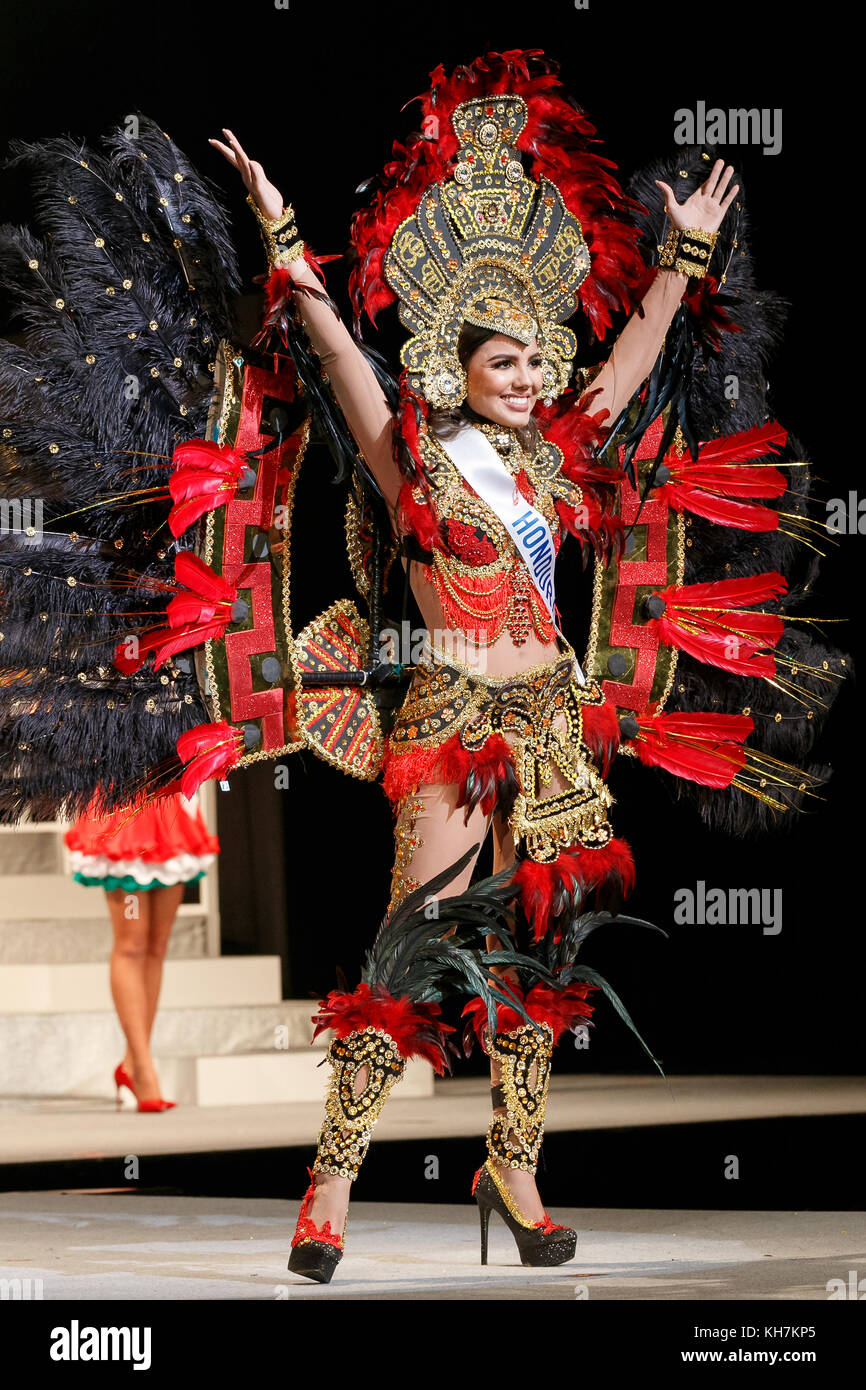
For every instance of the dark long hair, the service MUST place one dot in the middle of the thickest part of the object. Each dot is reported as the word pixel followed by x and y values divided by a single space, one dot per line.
pixel 446 423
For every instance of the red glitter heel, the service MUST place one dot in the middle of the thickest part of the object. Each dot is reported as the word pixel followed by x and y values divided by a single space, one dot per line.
pixel 316 1251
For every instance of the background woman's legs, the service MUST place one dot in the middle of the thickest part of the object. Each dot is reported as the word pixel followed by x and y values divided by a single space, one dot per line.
pixel 142 925
pixel 164 903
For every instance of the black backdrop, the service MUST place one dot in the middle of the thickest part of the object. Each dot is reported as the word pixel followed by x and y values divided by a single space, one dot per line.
pixel 315 91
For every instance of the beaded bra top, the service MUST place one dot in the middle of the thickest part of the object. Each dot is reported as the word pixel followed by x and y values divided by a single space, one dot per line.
pixel 479 576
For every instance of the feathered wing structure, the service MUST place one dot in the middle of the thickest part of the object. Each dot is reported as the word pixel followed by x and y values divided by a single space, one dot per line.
pixel 121 290
pixel 699 635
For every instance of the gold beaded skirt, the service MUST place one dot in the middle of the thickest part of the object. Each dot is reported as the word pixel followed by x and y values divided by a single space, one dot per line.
pixel 455 719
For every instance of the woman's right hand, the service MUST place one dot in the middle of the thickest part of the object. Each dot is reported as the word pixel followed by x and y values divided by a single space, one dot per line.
pixel 262 190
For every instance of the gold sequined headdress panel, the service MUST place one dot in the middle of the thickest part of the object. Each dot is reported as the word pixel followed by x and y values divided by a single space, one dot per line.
pixel 487 246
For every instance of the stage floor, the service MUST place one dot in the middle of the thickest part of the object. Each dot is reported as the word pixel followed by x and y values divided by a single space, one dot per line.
pixel 120 1247
pixel 46 1130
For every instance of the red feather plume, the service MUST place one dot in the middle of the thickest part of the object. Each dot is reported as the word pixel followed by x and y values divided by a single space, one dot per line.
pixel 709 622
pixel 209 751
pixel 601 734
pixel 711 484
pixel 559 139
pixel 701 747
pixel 575 872
pixel 408 1023
pixel 199 611
pixel 560 1008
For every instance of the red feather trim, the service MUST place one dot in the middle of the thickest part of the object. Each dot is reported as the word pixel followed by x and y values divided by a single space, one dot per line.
pixel 576 872
pixel 417 1029
pixel 700 619
pixel 210 750
pixel 417 518
pixel 483 776
pixel 279 294
pixel 279 291
pixel 561 1008
pixel 707 309
pixel 580 435
pixel 601 734
pixel 404 772
pixel 700 747
pixel 720 473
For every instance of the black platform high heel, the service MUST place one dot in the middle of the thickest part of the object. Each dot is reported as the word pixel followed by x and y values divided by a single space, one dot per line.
pixel 514 1140
pixel 316 1251
pixel 539 1242
pixel 351 1111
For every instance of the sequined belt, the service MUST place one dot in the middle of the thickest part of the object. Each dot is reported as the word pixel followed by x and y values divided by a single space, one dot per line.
pixel 540 713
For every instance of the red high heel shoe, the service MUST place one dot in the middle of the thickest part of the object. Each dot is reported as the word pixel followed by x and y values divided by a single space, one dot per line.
pixel 146 1107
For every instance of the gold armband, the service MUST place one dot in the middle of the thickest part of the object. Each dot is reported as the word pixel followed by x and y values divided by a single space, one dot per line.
pixel 688 251
pixel 279 234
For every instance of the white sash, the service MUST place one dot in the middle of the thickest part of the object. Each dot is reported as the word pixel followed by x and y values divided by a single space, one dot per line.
pixel 476 459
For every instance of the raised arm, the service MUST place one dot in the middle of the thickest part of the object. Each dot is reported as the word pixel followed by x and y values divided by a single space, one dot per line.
pixel 640 342
pixel 358 393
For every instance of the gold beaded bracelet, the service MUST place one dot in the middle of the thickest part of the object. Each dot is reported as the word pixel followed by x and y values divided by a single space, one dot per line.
pixel 277 234
pixel 688 251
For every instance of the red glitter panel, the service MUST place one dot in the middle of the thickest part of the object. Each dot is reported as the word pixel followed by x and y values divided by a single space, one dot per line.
pixel 624 632
pixel 255 576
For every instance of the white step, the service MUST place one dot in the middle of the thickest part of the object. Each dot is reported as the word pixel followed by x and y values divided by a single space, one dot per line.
pixel 74 940
pixel 266 1078
pixel 219 981
pixel 25 850
pixel 74 1054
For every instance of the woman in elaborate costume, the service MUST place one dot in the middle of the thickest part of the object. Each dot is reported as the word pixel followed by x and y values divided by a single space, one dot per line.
pixel 143 857
pixel 499 719
pixel 492 226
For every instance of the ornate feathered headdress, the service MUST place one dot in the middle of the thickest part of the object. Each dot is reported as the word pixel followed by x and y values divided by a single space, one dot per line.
pixel 461 232
pixel 488 246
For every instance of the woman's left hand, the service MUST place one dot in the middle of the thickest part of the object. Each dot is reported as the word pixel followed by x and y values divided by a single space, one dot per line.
pixel 705 209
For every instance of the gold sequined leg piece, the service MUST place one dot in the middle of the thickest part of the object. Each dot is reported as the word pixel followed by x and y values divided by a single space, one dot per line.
pixel 407 841
pixel 350 1112
pixel 524 1056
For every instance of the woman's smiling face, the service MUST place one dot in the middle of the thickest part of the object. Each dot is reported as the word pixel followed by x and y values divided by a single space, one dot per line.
pixel 504 380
